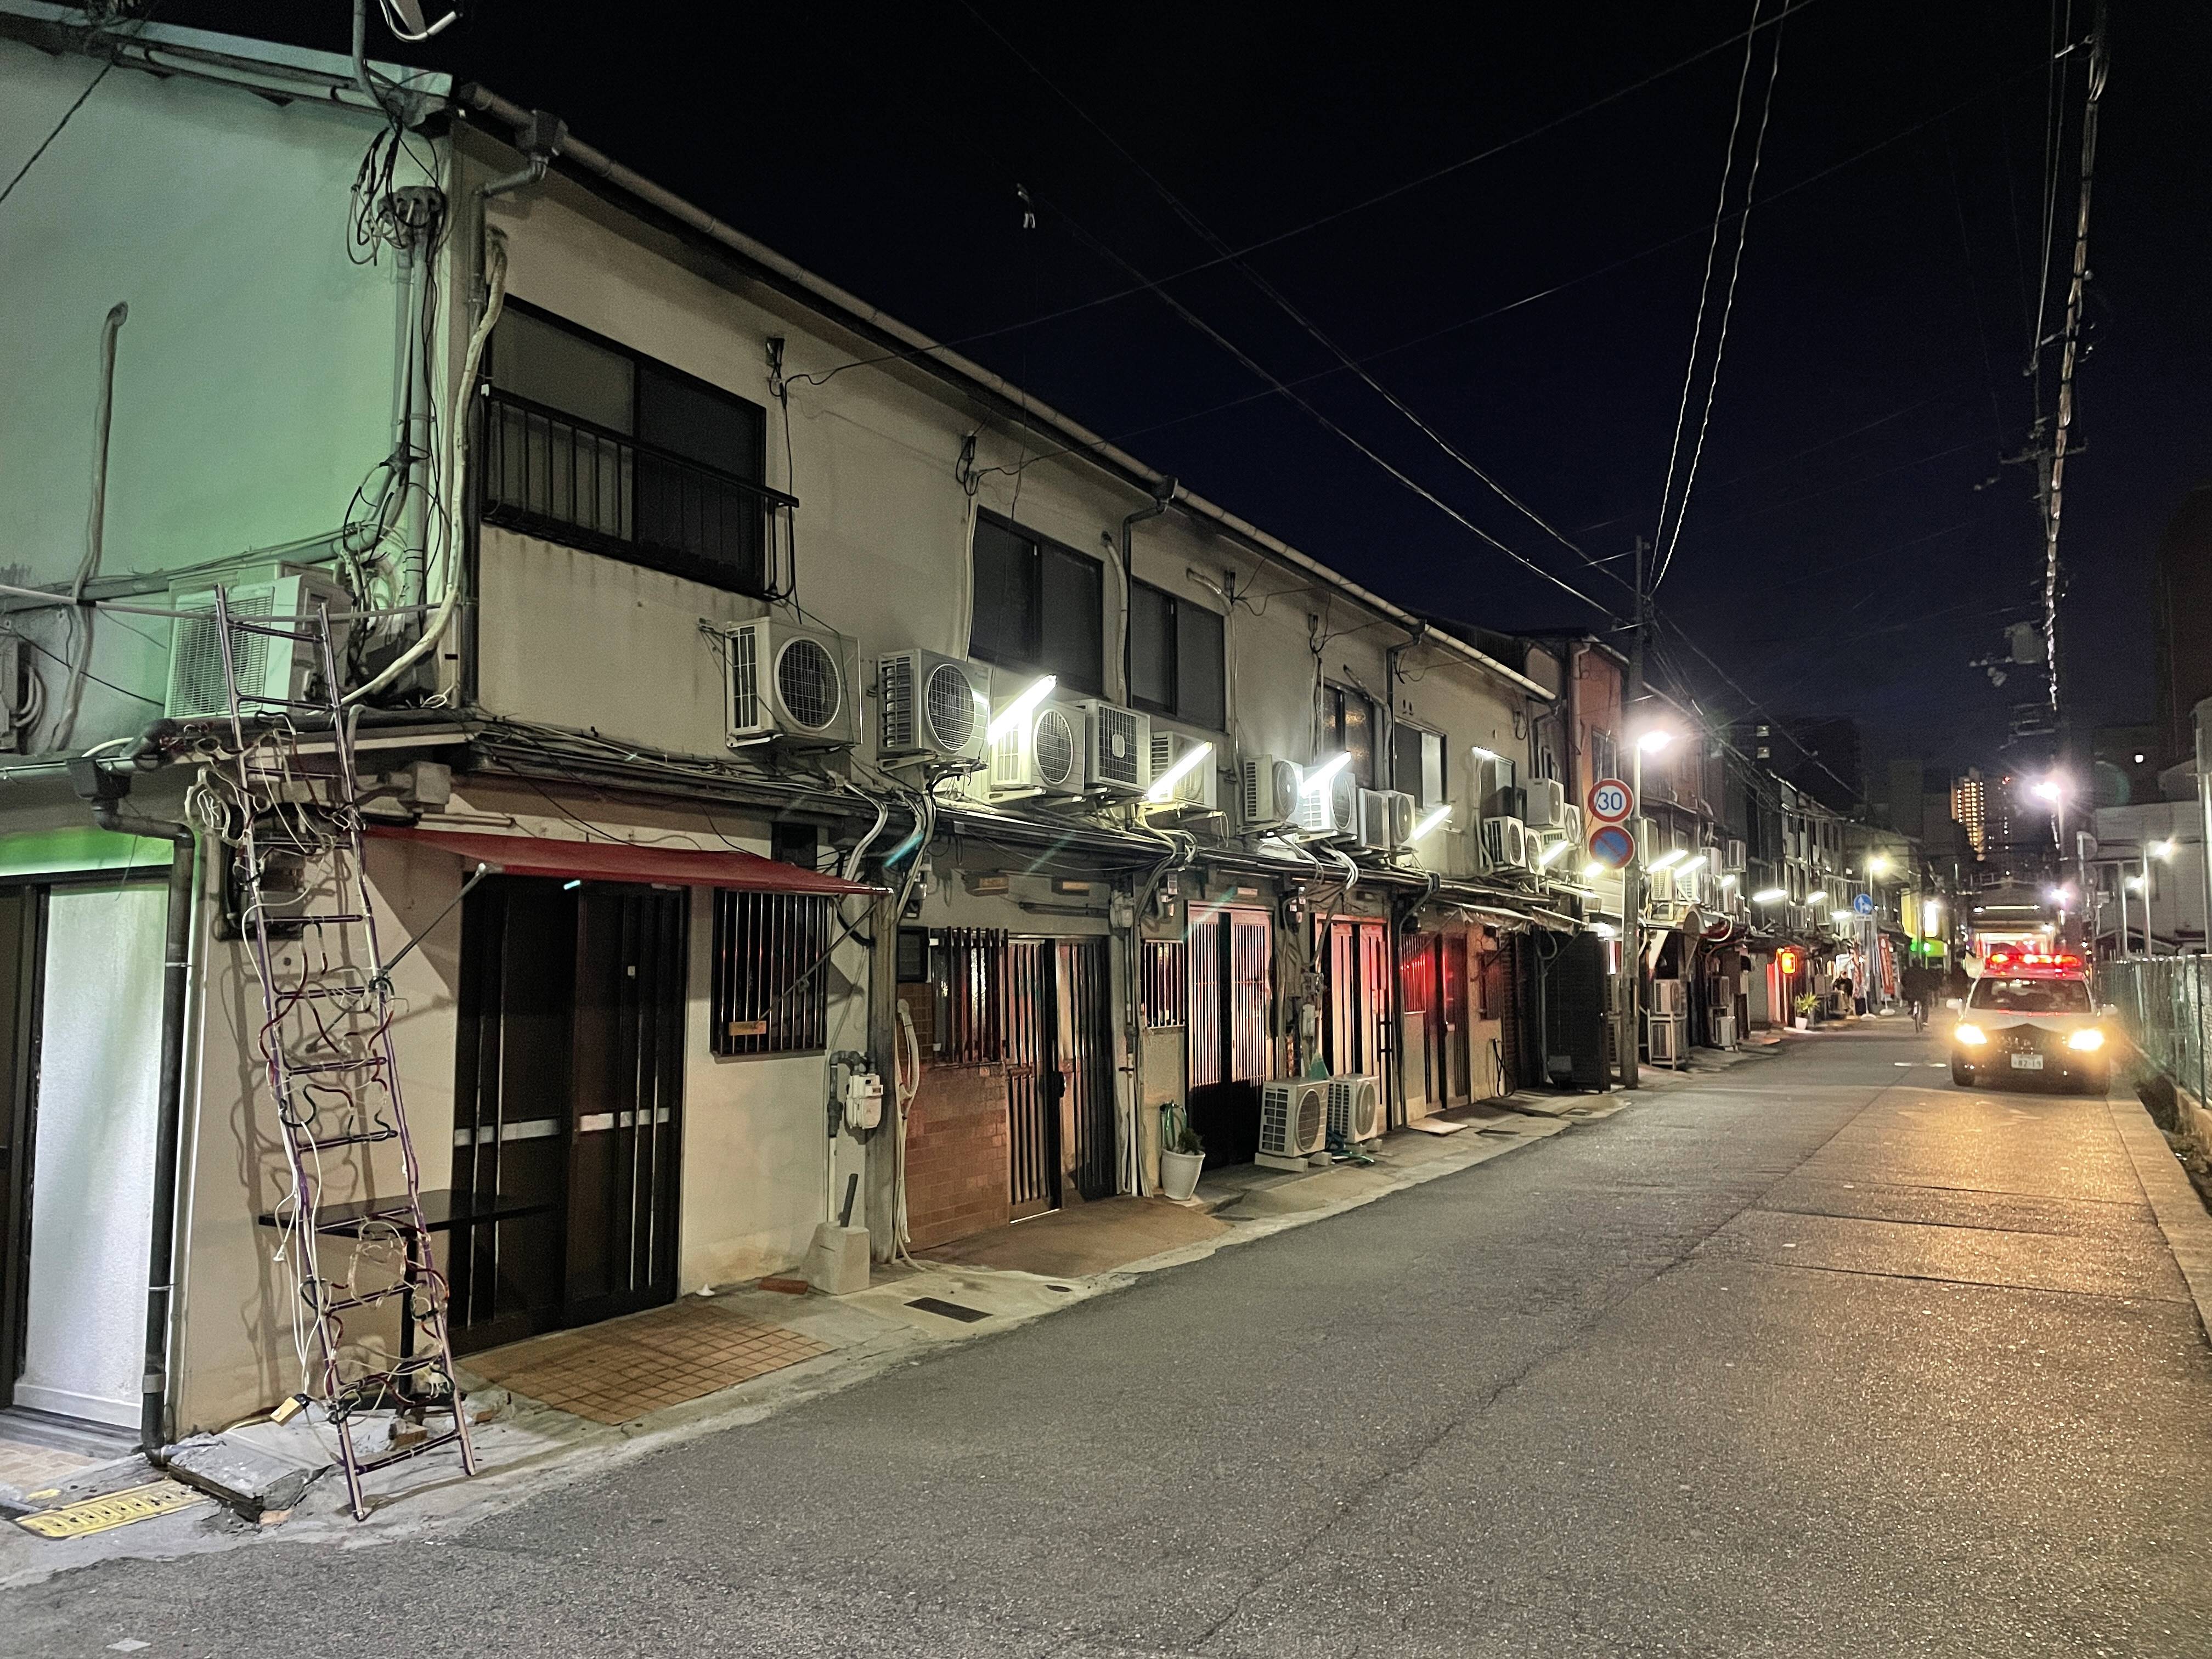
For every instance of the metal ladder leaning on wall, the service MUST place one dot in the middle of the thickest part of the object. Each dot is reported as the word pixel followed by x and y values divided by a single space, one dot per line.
pixel 327 1042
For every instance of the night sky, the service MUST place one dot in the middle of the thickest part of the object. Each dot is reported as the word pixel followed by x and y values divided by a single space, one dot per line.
pixel 1856 538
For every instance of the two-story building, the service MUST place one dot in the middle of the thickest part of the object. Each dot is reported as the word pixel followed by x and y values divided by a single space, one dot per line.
pixel 746 695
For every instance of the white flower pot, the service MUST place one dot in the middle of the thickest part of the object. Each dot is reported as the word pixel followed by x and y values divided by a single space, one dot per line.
pixel 1179 1173
pixel 1803 1023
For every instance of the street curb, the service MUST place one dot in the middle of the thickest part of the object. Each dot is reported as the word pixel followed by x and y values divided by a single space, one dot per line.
pixel 2174 1200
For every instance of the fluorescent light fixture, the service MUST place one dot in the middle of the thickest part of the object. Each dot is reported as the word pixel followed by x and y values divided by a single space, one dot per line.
pixel 1482 753
pixel 1318 780
pixel 1193 758
pixel 1604 929
pixel 1593 870
pixel 1431 821
pixel 1727 883
pixel 1816 898
pixel 1770 896
pixel 571 886
pixel 2134 883
pixel 1018 711
pixel 1655 739
pixel 2162 849
pixel 1663 860
pixel 1544 859
pixel 1932 917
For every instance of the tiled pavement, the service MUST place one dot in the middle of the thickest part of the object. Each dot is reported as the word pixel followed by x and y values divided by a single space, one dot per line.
pixel 622 1369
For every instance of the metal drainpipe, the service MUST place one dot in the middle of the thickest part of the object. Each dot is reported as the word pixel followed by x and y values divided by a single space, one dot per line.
pixel 106 790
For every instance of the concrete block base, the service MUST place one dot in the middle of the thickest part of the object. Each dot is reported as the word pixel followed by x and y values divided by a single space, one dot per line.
pixel 837 1265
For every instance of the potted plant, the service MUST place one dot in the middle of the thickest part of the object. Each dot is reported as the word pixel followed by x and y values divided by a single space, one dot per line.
pixel 1183 1154
pixel 1807 1006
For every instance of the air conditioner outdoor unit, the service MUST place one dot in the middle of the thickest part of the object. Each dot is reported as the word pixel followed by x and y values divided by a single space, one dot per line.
pixel 1041 753
pixel 1266 794
pixel 790 682
pixel 1723 1031
pixel 1293 1123
pixel 1545 804
pixel 1332 812
pixel 270 672
pixel 1199 789
pixel 1668 997
pixel 1118 748
pixel 1667 1041
pixel 1572 825
pixel 1386 819
pixel 1498 787
pixel 1355 1109
pixel 1532 850
pixel 1504 845
pixel 932 705
pixel 1732 859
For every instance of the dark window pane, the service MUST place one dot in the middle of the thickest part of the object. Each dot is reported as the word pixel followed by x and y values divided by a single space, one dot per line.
pixel 534 360
pixel 1406 761
pixel 1073 597
pixel 1005 625
pixel 1435 785
pixel 1356 735
pixel 701 425
pixel 1199 698
pixel 1152 649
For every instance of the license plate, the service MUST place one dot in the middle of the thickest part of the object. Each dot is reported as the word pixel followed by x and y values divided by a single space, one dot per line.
pixel 2027 1062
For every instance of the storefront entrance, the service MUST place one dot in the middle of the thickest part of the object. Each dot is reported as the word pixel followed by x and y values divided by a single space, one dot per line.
pixel 1060 1073
pixel 568 1105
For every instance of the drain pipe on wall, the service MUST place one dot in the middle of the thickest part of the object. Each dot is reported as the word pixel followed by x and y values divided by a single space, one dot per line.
pixel 1164 492
pixel 106 789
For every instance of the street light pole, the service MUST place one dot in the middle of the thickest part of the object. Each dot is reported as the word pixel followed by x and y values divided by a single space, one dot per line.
pixel 1632 873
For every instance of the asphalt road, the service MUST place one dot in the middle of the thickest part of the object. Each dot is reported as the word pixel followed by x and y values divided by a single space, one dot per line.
pixel 1821 1357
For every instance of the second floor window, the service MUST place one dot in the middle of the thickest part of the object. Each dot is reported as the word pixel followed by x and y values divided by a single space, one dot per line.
pixel 1601 761
pixel 1039 607
pixel 1419 765
pixel 1347 722
pixel 1175 657
pixel 593 446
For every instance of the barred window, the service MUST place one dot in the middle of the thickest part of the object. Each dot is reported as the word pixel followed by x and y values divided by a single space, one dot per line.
pixel 969 967
pixel 1166 984
pixel 770 992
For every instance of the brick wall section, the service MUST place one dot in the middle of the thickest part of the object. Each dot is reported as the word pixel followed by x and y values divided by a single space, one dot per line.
pixel 955 1154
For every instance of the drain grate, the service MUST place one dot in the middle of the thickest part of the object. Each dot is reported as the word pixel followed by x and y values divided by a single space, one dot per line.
pixel 949 1310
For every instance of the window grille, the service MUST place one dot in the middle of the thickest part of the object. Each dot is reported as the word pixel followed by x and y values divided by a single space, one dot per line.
pixel 1166 984
pixel 770 990
pixel 970 966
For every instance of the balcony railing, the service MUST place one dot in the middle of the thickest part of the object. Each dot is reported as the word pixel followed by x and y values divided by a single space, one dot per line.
pixel 549 475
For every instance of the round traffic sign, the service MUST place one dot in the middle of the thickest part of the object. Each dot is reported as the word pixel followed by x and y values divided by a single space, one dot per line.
pixel 1612 846
pixel 1864 904
pixel 1612 801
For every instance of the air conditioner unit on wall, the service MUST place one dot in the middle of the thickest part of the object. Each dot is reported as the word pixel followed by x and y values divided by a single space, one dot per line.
pixel 790 682
pixel 1572 825
pixel 270 672
pixel 1666 1036
pixel 1118 748
pixel 1199 789
pixel 1355 1109
pixel 1504 845
pixel 1332 812
pixel 1669 997
pixel 931 705
pixel 1293 1123
pixel 1546 807
pixel 1268 793
pixel 1386 818
pixel 1041 753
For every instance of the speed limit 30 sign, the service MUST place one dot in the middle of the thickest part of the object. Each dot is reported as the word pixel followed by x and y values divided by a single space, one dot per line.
pixel 1611 801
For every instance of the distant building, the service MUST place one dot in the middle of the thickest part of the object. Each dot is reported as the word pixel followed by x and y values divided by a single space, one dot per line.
pixel 2126 764
pixel 1970 809
pixel 2181 598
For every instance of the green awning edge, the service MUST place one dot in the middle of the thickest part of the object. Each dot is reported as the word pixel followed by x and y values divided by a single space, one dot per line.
pixel 33 853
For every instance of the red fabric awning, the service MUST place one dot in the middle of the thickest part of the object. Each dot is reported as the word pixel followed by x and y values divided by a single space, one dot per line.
pixel 609 860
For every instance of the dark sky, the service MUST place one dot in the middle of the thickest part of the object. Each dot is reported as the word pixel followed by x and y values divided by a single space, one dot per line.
pixel 1854 537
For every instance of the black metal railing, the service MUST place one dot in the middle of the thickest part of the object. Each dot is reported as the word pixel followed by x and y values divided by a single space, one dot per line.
pixel 549 475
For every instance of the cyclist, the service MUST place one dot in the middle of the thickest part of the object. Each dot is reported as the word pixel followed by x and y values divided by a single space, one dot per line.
pixel 1919 991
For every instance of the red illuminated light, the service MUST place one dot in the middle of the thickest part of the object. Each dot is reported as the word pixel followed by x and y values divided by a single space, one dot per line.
pixel 2032 963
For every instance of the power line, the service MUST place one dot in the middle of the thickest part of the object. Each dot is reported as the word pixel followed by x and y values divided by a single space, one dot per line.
pixel 1728 310
pixel 1331 217
pixel 68 114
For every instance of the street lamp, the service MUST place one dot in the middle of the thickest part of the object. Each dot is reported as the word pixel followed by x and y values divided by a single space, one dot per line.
pixel 1655 740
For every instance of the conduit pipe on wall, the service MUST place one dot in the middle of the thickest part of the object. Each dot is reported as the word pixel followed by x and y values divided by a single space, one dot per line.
pixel 105 789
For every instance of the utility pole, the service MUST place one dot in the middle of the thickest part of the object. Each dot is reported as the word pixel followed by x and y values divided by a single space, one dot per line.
pixel 1632 873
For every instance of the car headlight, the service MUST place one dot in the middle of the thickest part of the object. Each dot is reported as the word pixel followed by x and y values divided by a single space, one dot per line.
pixel 1972 1036
pixel 2089 1039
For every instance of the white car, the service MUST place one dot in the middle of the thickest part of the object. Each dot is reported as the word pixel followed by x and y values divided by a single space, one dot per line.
pixel 2032 1018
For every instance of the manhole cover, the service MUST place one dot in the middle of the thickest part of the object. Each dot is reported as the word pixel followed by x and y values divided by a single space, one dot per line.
pixel 949 1310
